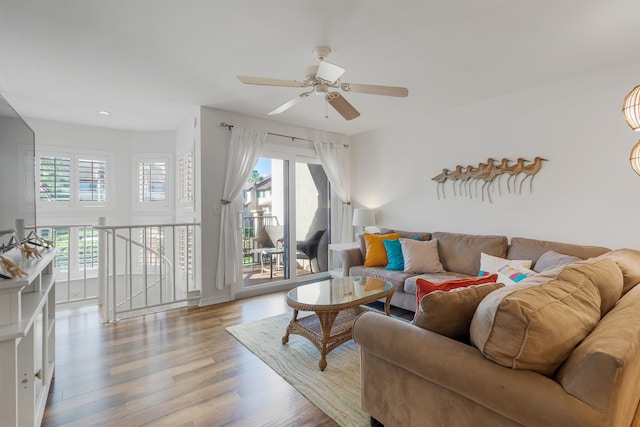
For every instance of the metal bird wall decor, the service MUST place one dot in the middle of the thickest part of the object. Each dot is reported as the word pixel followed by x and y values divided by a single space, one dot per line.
pixel 470 177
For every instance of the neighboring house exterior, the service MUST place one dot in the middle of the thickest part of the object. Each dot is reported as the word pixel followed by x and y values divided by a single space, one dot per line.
pixel 256 198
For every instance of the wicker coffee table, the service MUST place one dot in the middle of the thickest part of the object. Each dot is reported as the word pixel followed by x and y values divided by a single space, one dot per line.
pixel 336 303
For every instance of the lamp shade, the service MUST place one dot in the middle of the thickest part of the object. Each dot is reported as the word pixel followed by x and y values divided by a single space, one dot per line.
pixel 634 158
pixel 631 108
pixel 364 217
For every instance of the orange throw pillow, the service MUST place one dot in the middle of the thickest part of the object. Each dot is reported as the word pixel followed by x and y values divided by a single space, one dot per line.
pixel 376 255
pixel 424 287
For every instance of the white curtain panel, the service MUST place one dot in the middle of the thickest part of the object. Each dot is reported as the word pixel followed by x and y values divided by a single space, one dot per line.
pixel 245 149
pixel 335 161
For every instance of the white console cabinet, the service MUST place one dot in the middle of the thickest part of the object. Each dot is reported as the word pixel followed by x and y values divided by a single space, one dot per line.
pixel 27 340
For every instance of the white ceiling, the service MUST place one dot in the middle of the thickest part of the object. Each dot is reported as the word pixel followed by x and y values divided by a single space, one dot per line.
pixel 151 63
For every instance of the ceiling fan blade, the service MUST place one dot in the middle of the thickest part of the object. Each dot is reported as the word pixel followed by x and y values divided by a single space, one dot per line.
pixel 329 72
pixel 342 106
pixel 375 90
pixel 269 82
pixel 289 104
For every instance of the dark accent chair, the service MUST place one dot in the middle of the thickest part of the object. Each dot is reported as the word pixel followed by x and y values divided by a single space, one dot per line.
pixel 308 249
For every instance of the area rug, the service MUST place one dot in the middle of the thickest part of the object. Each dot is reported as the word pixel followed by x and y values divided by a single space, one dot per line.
pixel 335 391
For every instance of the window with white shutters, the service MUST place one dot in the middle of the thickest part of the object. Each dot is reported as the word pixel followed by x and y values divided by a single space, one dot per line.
pixel 152 181
pixel 55 179
pixel 92 180
pixel 185 178
pixel 70 179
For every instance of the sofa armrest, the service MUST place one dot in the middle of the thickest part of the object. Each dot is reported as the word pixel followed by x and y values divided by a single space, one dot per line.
pixel 350 258
pixel 522 396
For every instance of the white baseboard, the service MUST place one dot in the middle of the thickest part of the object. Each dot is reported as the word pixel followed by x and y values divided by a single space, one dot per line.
pixel 214 300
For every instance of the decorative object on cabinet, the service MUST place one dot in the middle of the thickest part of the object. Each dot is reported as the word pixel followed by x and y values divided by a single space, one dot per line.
pixel 28 251
pixel 487 173
pixel 11 268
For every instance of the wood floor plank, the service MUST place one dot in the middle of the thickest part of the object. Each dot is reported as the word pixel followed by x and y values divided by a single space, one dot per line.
pixel 177 368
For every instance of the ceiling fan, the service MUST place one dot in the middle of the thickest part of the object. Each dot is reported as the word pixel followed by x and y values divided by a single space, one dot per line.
pixel 322 79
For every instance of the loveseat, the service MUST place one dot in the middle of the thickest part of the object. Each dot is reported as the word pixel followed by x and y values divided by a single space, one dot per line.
pixel 460 256
pixel 559 348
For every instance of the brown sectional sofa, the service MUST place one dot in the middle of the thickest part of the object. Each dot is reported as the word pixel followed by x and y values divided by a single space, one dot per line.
pixel 412 376
pixel 460 257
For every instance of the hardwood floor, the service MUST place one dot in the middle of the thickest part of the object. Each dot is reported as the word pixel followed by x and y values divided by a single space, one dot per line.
pixel 177 368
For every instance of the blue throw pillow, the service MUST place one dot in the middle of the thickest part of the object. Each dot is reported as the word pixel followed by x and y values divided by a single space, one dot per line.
pixel 394 255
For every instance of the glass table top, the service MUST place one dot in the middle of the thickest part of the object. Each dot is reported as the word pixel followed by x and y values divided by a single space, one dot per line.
pixel 272 250
pixel 340 290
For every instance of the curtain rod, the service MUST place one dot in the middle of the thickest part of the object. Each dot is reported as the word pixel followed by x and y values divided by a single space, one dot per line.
pixel 293 138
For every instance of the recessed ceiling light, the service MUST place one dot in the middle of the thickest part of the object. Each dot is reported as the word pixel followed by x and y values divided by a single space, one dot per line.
pixel 104 113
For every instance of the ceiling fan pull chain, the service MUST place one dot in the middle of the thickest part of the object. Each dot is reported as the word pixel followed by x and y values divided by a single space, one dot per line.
pixel 326 109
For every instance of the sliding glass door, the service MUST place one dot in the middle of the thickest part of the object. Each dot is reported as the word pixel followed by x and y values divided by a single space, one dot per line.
pixel 312 217
pixel 265 218
pixel 285 220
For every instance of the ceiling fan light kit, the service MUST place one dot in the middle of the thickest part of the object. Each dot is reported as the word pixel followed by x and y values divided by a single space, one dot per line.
pixel 321 79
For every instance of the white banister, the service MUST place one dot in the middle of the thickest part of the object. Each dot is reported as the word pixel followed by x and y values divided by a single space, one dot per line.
pixel 155 279
pixel 103 268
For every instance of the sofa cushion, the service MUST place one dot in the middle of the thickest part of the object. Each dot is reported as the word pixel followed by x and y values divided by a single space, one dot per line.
pixel 535 327
pixel 533 249
pixel 421 256
pixel 551 259
pixel 450 313
pixel 376 254
pixel 461 252
pixel 416 235
pixel 492 264
pixel 410 283
pixel 396 278
pixel 603 273
pixel 425 287
pixel 598 370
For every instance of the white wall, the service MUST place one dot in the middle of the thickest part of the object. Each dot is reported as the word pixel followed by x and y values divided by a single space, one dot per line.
pixel 125 145
pixel 586 193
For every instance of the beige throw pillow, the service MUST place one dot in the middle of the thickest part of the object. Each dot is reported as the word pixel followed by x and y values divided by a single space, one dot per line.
pixel 450 313
pixel 535 327
pixel 421 256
